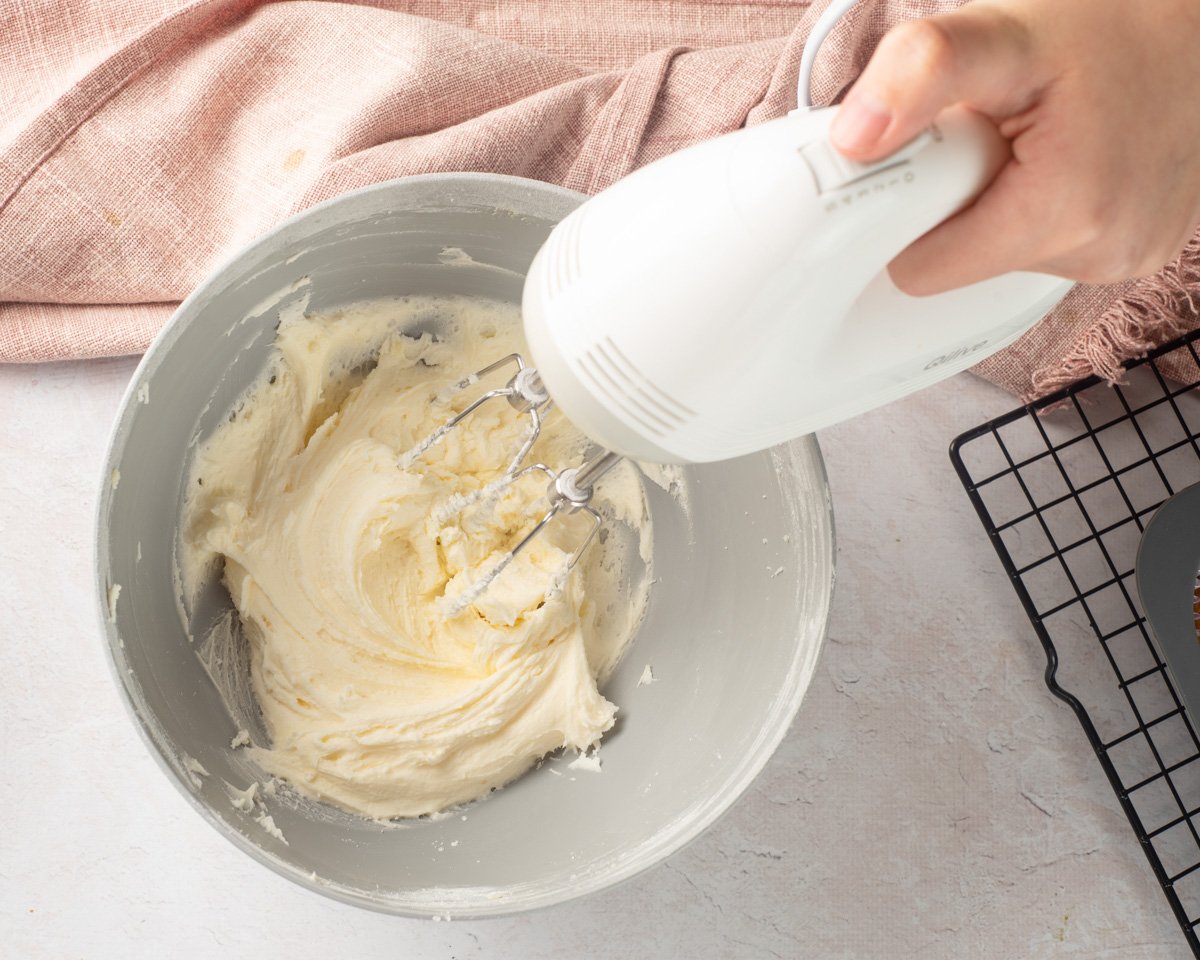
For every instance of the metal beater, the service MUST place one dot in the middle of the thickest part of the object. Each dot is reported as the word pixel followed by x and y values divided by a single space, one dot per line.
pixel 568 491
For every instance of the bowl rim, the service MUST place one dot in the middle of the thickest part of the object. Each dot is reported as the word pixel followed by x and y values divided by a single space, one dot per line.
pixel 784 708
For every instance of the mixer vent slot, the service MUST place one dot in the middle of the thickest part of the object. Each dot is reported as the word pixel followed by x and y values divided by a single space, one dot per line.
pixel 565 260
pixel 624 385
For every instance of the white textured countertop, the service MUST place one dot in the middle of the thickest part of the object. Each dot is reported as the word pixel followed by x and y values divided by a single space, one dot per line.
pixel 932 799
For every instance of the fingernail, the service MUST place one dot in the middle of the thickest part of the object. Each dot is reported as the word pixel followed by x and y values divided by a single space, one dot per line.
pixel 860 122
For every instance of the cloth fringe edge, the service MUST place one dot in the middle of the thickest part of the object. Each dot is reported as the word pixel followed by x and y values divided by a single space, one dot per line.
pixel 1157 309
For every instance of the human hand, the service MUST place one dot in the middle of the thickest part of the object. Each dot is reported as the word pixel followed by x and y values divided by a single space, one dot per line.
pixel 1101 101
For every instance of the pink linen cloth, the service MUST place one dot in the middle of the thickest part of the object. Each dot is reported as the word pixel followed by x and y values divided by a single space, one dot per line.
pixel 144 141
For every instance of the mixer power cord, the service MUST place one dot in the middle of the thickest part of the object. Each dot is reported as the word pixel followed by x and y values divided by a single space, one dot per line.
pixel 825 23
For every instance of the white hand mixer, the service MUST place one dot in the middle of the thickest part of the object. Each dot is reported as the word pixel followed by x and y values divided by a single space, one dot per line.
pixel 735 295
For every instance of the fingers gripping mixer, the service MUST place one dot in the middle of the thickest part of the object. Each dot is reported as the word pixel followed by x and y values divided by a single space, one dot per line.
pixel 735 295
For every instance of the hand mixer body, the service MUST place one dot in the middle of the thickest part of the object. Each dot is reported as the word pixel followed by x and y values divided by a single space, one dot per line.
pixel 735 295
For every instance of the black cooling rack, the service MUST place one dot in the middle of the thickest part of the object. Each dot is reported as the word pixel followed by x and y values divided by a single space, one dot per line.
pixel 1065 487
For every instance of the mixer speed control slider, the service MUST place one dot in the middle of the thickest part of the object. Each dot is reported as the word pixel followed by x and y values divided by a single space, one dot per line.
pixel 832 171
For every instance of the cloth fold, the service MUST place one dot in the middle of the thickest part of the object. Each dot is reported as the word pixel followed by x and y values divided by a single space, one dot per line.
pixel 142 142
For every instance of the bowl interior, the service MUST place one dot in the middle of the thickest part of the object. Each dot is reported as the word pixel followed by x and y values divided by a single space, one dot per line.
pixel 732 633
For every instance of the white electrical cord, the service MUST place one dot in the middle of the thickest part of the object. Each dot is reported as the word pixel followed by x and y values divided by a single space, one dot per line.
pixel 825 23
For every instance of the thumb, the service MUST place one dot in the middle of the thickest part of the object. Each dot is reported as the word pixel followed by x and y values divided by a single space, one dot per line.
pixel 977 55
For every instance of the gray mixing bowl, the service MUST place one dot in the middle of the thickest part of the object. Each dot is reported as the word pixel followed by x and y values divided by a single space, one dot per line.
pixel 732 633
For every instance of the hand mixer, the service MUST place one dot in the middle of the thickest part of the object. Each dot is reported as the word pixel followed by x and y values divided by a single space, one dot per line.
pixel 735 295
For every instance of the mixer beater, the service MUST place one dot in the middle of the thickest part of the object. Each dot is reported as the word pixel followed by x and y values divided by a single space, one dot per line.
pixel 568 491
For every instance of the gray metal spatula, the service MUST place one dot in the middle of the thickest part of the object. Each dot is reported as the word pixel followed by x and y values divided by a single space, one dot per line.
pixel 1166 569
